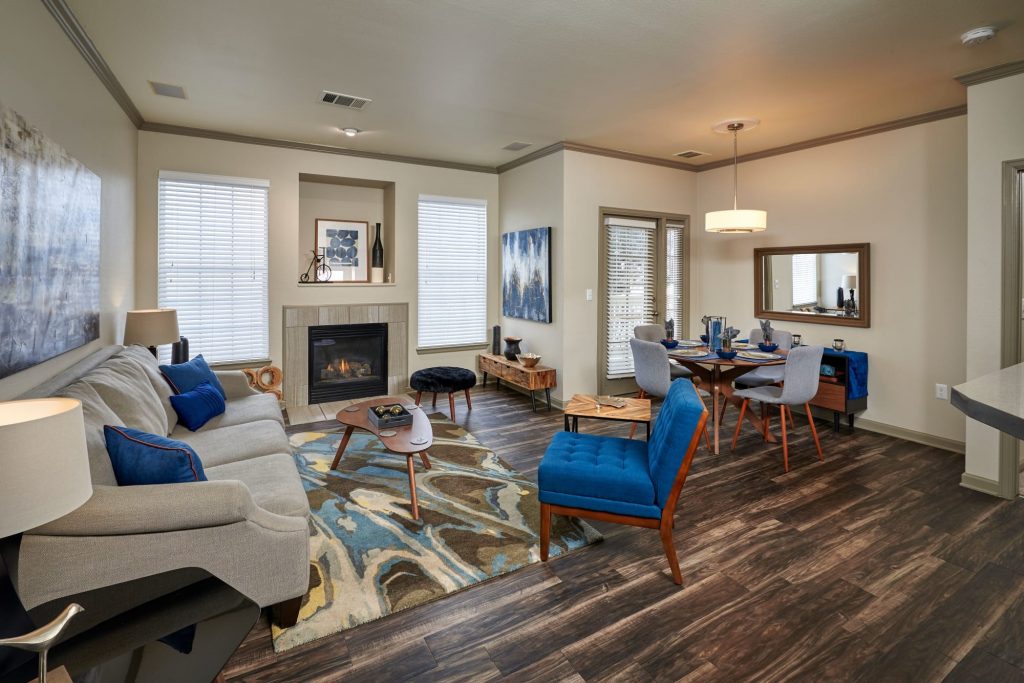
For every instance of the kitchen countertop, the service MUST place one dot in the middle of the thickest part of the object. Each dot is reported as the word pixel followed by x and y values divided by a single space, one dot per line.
pixel 995 399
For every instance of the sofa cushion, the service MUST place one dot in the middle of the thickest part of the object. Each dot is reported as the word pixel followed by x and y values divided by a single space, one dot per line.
pixel 248 409
pixel 272 480
pixel 163 390
pixel 237 442
pixel 96 414
pixel 187 376
pixel 198 406
pixel 599 469
pixel 123 385
pixel 139 458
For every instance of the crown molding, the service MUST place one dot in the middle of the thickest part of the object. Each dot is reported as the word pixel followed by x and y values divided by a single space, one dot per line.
pixel 532 156
pixel 629 156
pixel 885 127
pixel 80 39
pixel 188 131
pixel 993 73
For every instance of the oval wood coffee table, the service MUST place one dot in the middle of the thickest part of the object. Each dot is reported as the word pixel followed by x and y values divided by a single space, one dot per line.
pixel 410 440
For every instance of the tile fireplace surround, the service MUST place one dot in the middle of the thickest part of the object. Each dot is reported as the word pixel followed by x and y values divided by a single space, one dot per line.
pixel 298 320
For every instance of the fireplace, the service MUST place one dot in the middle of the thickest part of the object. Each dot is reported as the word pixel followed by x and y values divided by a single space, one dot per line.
pixel 347 361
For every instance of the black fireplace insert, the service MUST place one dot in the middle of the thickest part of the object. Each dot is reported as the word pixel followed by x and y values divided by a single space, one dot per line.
pixel 347 361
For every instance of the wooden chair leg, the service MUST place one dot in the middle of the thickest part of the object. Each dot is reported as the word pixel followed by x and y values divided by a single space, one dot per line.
pixel 739 422
pixel 412 488
pixel 425 459
pixel 434 404
pixel 766 420
pixel 469 401
pixel 451 405
pixel 814 431
pixel 785 442
pixel 418 395
pixel 707 437
pixel 792 424
pixel 545 530
pixel 670 553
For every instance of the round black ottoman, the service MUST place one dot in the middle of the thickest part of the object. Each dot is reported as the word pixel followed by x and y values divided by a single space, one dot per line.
pixel 444 380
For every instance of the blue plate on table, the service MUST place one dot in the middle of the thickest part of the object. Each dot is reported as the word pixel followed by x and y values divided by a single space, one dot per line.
pixel 670 343
pixel 726 355
pixel 767 348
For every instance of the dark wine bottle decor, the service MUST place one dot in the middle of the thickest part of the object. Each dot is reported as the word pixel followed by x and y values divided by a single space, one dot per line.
pixel 377 259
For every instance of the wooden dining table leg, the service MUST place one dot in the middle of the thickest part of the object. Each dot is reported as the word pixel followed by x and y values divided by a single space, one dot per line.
pixel 342 446
pixel 412 486
pixel 714 399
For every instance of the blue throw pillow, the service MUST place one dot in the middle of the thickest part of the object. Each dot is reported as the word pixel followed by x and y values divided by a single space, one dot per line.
pixel 196 407
pixel 187 376
pixel 140 458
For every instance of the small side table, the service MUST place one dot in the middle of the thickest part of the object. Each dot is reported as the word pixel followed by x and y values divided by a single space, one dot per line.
pixel 585 405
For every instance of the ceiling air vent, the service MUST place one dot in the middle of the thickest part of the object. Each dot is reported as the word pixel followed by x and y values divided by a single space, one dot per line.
pixel 516 146
pixel 167 90
pixel 349 101
pixel 691 153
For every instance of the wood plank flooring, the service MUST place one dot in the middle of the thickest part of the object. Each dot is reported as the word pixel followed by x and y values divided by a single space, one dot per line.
pixel 872 566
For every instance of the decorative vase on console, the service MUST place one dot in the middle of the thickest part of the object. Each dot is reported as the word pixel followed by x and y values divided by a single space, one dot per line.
pixel 377 261
pixel 512 350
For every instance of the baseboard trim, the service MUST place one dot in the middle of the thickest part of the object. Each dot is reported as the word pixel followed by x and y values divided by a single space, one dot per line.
pixel 911 435
pixel 981 484
pixel 556 403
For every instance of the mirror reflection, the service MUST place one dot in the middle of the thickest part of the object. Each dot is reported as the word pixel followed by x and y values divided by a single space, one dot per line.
pixel 822 284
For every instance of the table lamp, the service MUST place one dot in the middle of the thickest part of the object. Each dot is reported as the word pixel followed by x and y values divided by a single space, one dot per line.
pixel 850 283
pixel 151 327
pixel 45 466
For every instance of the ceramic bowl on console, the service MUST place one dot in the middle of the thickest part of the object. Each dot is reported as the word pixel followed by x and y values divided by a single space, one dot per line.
pixel 529 359
pixel 670 343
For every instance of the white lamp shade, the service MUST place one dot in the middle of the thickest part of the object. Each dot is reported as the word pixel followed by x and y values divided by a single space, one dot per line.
pixel 44 463
pixel 736 220
pixel 849 282
pixel 151 327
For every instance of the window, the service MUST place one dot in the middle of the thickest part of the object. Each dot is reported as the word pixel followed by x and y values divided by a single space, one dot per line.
pixel 675 275
pixel 630 285
pixel 452 272
pixel 212 264
pixel 805 279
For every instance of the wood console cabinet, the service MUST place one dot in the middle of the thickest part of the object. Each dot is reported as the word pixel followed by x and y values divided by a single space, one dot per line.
pixel 834 392
pixel 514 372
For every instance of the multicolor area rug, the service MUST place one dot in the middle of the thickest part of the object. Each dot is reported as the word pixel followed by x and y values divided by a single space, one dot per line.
pixel 369 558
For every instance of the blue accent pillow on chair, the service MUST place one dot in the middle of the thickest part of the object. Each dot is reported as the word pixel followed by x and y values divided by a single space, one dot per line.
pixel 139 458
pixel 187 376
pixel 196 407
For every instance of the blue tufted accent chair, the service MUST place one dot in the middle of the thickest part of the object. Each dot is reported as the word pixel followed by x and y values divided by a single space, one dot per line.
pixel 621 480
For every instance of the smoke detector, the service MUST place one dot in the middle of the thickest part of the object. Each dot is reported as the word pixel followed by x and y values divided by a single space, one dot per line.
pixel 977 35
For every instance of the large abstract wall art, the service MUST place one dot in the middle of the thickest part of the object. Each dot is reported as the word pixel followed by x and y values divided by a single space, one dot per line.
pixel 526 274
pixel 49 248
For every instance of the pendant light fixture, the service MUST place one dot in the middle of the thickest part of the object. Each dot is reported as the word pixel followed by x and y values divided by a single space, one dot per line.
pixel 735 220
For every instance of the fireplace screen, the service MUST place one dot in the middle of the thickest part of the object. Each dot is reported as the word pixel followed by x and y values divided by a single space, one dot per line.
pixel 347 361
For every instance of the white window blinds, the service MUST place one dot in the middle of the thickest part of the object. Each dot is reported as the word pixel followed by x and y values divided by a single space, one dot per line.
pixel 212 264
pixel 452 272
pixel 630 277
pixel 675 275
pixel 805 279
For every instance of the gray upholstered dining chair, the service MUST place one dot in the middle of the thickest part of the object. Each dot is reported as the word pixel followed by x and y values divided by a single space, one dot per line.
pixel 655 332
pixel 800 384
pixel 650 369
pixel 769 374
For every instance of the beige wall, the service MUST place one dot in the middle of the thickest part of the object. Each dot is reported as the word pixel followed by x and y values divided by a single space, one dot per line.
pixel 994 135
pixel 532 196
pixel 44 79
pixel 159 151
pixel 338 202
pixel 902 191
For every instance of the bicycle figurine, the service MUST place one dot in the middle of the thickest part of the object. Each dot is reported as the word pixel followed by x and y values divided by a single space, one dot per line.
pixel 321 271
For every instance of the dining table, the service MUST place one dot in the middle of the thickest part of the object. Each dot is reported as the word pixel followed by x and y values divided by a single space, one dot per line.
pixel 717 374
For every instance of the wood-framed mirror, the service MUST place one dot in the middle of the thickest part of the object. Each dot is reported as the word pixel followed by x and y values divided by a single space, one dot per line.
pixel 829 284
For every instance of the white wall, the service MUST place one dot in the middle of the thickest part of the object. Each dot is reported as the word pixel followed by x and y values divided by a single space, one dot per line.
pixel 994 135
pixel 902 191
pixel 532 196
pixel 159 151
pixel 45 79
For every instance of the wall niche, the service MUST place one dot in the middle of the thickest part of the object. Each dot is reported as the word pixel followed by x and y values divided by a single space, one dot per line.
pixel 347 199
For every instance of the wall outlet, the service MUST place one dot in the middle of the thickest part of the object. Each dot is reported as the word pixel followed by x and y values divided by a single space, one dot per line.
pixel 942 392
pixel 590 295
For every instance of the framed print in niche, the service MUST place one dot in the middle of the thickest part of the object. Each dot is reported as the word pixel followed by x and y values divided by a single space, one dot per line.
pixel 345 248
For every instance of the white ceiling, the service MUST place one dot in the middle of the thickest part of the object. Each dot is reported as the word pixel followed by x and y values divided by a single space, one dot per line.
pixel 459 79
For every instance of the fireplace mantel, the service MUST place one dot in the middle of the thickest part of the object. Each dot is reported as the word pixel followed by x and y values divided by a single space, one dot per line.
pixel 298 320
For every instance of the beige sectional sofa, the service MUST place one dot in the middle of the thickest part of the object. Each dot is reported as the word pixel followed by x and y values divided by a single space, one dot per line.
pixel 247 525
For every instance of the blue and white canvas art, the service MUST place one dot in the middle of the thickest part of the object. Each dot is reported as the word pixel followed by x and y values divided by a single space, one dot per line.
pixel 526 274
pixel 343 246
pixel 49 248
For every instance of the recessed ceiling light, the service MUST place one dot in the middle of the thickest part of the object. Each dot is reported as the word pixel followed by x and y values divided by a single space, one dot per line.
pixel 167 90
pixel 351 132
pixel 978 35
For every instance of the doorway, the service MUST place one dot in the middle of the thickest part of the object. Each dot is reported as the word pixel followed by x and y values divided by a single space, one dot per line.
pixel 644 278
